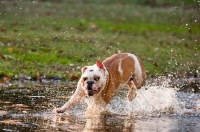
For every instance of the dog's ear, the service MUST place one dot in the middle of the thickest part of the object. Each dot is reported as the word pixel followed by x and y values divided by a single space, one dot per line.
pixel 83 69
pixel 100 64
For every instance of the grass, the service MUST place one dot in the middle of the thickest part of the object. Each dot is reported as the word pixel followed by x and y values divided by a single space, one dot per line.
pixel 58 38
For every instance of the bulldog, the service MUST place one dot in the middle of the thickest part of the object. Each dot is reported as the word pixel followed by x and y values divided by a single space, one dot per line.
pixel 103 80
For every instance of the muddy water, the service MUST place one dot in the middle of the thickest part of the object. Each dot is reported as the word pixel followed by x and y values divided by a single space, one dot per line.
pixel 156 108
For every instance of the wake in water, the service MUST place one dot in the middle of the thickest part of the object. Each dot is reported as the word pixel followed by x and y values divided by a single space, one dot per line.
pixel 151 100
pixel 155 101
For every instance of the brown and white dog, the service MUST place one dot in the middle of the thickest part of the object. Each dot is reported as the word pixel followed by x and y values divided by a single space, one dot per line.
pixel 104 80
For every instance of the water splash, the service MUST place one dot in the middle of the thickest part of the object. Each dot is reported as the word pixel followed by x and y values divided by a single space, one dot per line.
pixel 157 101
pixel 148 101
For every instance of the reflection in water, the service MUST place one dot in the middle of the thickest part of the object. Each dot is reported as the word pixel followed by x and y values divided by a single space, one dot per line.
pixel 102 123
pixel 107 123
pixel 119 123
pixel 93 124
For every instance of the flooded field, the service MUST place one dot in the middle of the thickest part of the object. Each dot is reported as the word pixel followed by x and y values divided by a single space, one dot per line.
pixel 158 107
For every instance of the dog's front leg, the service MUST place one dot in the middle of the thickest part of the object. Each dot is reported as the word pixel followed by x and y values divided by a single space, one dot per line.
pixel 79 93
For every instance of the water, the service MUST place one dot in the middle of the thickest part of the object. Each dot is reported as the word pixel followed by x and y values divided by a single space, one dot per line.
pixel 157 107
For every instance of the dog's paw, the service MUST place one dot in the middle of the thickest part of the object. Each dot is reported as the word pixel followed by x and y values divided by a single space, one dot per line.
pixel 131 96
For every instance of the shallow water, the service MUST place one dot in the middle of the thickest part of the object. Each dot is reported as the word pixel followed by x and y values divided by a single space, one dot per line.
pixel 156 108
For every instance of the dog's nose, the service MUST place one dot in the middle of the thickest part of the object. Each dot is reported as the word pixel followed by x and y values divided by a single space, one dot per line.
pixel 89 87
pixel 90 82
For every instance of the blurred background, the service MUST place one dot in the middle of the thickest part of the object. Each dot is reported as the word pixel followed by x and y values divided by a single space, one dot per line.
pixel 56 38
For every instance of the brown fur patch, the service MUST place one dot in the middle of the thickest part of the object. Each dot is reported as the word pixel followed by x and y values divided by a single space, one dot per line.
pixel 116 78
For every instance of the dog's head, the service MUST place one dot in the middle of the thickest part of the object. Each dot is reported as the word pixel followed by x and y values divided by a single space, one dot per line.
pixel 93 78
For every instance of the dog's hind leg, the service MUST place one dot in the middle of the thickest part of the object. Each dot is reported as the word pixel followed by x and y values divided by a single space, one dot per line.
pixel 132 89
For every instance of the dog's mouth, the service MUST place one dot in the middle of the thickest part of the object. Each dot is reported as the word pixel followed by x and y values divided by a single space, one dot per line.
pixel 92 92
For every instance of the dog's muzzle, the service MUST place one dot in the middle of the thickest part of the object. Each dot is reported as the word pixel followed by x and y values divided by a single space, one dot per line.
pixel 89 85
pixel 91 91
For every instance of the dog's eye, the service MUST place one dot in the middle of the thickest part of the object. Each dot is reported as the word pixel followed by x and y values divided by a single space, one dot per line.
pixel 96 78
pixel 85 78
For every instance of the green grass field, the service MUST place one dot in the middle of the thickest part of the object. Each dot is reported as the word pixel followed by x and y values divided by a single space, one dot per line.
pixel 58 38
